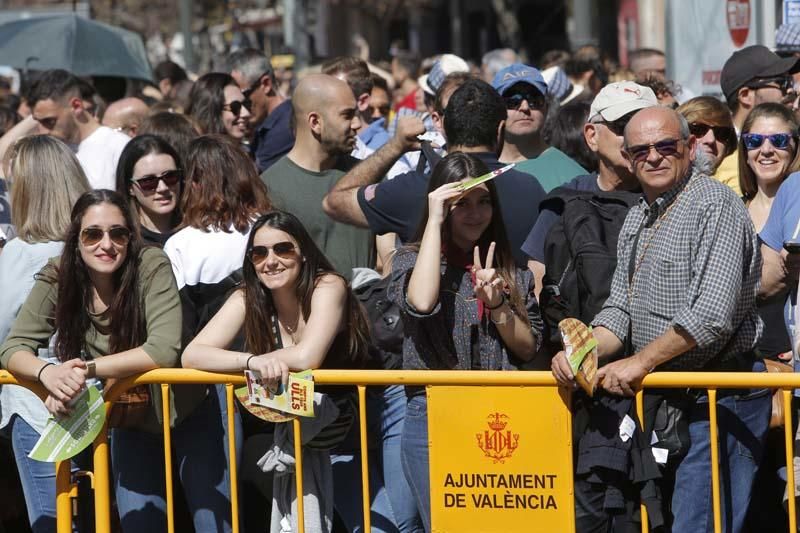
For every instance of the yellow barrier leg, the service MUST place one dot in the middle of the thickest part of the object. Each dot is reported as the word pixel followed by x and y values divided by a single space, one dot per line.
pixel 789 440
pixel 298 476
pixel 102 483
pixel 168 458
pixel 640 413
pixel 362 420
pixel 232 455
pixel 63 502
pixel 712 420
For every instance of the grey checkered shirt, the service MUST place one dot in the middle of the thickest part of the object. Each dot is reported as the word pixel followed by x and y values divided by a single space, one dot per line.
pixel 700 274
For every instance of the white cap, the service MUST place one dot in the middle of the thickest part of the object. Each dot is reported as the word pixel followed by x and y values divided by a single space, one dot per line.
pixel 446 64
pixel 616 100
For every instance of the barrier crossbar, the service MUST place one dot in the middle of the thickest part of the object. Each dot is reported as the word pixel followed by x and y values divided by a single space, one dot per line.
pixel 66 488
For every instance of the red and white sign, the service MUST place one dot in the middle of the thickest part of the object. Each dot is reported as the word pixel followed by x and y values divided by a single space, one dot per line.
pixel 738 16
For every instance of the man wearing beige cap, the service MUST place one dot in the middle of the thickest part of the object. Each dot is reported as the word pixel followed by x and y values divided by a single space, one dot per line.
pixel 611 110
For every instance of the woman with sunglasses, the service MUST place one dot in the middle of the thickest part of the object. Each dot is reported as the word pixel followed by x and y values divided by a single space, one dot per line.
pixel 114 309
pixel 464 303
pixel 295 313
pixel 217 105
pixel 149 176
pixel 47 179
pixel 768 153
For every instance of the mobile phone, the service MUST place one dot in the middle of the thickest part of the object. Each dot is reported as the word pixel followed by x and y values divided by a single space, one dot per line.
pixel 793 247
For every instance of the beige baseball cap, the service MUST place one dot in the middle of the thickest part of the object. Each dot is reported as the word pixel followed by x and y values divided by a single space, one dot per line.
pixel 616 100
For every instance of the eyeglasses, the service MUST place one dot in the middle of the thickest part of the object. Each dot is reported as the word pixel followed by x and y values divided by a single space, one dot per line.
pixel 723 134
pixel 514 101
pixel 783 84
pixel 781 141
pixel 148 184
pixel 236 106
pixel 119 235
pixel 253 86
pixel 666 148
pixel 617 127
pixel 259 254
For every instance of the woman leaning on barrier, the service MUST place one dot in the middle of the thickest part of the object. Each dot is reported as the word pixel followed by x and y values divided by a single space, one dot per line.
pixel 46 180
pixel 465 305
pixel 296 313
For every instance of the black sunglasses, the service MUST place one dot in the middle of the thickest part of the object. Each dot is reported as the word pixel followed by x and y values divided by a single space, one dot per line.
pixel 259 254
pixel 514 101
pixel 119 235
pixel 148 184
pixel 236 106
pixel 617 127
pixel 665 148
pixel 253 86
pixel 784 84
pixel 723 134
pixel 781 141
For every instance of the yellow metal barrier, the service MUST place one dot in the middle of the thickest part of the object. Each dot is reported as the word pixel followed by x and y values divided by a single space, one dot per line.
pixel 66 488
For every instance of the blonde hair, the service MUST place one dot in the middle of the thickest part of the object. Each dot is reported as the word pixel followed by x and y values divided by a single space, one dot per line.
pixel 46 179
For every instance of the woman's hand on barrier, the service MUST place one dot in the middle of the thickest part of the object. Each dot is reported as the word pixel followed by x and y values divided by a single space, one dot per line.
pixel 64 381
pixel 57 407
pixel 488 283
pixel 273 371
pixel 561 370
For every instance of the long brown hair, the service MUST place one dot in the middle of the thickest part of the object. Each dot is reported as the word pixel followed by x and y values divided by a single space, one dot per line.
pixel 222 186
pixel 259 337
pixel 747 178
pixel 455 167
pixel 128 329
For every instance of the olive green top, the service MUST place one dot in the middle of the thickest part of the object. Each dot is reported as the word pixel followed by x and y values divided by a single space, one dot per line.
pixel 35 324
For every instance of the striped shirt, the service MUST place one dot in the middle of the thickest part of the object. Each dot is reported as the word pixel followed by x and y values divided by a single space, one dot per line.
pixel 697 269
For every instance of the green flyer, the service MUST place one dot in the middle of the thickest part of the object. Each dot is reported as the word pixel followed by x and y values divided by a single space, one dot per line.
pixel 66 437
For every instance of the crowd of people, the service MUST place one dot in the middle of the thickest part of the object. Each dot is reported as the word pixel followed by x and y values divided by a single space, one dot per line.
pixel 229 225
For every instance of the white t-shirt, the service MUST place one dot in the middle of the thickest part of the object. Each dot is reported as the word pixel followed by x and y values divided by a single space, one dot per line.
pixel 200 257
pixel 99 153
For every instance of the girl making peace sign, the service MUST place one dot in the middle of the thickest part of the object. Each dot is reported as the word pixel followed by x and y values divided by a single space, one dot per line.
pixel 459 312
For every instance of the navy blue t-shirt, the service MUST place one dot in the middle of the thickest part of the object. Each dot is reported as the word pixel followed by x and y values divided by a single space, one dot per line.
pixel 533 246
pixel 274 137
pixel 396 205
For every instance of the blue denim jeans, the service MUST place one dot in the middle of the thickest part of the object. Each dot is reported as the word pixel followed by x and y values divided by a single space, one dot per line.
pixel 743 421
pixel 38 478
pixel 393 506
pixel 414 455
pixel 200 450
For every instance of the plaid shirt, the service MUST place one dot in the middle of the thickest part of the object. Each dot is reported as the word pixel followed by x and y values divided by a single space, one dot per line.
pixel 700 273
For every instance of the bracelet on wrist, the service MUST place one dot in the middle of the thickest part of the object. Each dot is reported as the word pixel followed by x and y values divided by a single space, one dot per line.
pixel 498 306
pixel 91 369
pixel 247 363
pixel 39 374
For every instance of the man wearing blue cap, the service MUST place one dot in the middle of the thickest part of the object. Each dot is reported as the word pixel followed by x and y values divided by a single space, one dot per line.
pixel 524 92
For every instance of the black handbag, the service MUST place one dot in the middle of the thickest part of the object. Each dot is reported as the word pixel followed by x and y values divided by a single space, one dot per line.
pixel 671 425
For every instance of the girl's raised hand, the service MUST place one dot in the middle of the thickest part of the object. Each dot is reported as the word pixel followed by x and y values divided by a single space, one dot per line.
pixel 439 200
pixel 488 283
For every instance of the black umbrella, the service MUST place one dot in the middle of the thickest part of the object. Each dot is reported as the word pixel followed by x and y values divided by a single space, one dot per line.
pixel 79 45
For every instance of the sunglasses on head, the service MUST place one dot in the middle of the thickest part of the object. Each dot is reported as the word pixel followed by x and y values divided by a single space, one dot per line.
pixel 666 148
pixel 514 101
pixel 148 184
pixel 781 141
pixel 259 254
pixel 119 235
pixel 723 134
pixel 236 106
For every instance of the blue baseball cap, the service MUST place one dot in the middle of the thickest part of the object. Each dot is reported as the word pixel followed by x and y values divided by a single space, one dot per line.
pixel 518 73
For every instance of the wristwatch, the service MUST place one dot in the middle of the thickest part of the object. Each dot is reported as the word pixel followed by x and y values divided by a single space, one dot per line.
pixel 91 369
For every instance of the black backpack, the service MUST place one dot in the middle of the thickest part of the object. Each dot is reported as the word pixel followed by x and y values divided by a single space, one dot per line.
pixel 580 254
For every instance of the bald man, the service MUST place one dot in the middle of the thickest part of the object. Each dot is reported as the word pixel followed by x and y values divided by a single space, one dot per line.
pixel 326 122
pixel 683 298
pixel 125 115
